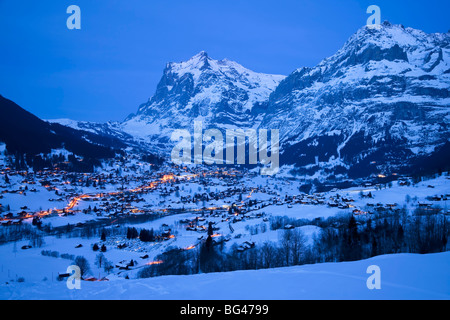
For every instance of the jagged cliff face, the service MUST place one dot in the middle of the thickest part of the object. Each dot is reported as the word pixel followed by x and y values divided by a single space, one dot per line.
pixel 222 94
pixel 379 104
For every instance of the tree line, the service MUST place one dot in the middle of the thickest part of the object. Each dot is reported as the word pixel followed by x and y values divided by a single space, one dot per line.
pixel 342 238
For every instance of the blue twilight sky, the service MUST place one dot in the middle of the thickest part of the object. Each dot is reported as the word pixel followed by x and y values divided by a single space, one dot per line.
pixel 105 70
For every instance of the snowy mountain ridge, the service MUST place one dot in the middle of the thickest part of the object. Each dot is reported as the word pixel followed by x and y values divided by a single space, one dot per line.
pixel 220 93
pixel 384 98
pixel 380 104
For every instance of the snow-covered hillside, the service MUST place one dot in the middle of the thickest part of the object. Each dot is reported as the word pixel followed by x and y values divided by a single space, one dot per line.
pixel 403 276
pixel 28 273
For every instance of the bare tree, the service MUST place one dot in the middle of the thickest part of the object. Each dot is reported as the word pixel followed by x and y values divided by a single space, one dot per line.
pixel 83 264
pixel 286 246
pixel 268 254
pixel 297 246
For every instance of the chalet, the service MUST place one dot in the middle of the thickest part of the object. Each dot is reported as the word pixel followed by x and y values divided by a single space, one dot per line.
pixel 91 279
pixel 333 204
pixel 166 233
pixel 245 246
pixel 424 205
pixel 121 266
pixel 22 214
pixel 236 219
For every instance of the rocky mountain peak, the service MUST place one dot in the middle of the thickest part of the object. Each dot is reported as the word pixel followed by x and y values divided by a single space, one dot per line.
pixel 219 92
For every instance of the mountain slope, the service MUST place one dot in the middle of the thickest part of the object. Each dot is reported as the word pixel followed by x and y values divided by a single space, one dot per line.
pixel 379 104
pixel 24 133
pixel 344 280
pixel 222 94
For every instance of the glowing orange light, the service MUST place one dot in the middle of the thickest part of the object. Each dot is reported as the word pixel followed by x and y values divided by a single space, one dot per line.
pixel 167 177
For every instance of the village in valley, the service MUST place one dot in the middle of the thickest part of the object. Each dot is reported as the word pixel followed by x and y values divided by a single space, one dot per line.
pixel 127 214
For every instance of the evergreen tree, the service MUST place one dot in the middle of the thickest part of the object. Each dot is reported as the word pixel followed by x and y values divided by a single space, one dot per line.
pixel 374 249
pixel 351 246
pixel 146 235
pixel 210 229
pixel 400 237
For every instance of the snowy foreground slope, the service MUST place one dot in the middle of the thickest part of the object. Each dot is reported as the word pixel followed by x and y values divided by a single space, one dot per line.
pixel 403 276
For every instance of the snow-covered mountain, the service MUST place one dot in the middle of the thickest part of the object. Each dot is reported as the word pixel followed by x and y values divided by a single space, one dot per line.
pixel 379 105
pixel 108 129
pixel 24 133
pixel 222 94
pixel 382 100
